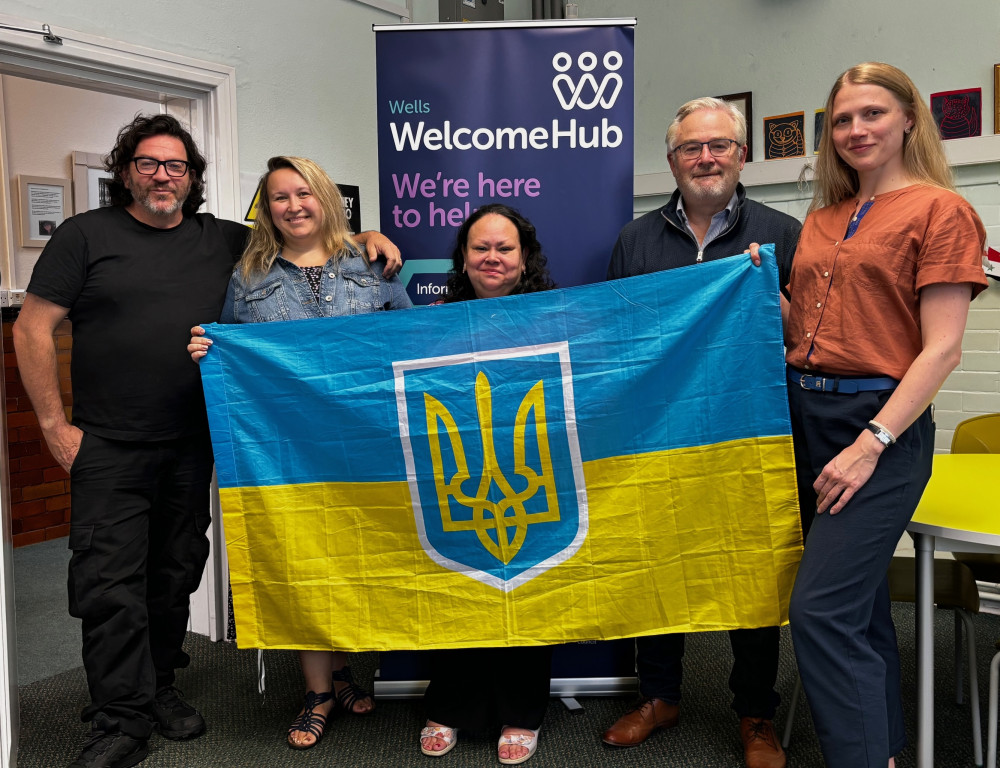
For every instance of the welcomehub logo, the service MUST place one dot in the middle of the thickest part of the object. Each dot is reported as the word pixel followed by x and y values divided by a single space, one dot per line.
pixel 585 92
pixel 576 86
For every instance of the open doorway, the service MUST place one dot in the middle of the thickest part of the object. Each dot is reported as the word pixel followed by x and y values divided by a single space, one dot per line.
pixel 44 126
pixel 99 73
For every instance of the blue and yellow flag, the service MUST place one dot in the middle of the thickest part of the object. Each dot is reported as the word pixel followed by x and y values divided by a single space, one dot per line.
pixel 595 462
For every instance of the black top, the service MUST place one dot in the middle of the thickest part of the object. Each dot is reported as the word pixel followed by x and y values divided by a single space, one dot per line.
pixel 133 292
pixel 658 240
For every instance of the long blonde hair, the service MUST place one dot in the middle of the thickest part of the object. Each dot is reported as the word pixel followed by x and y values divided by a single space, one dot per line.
pixel 923 153
pixel 265 239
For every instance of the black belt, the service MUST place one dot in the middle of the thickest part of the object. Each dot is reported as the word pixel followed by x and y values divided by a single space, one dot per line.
pixel 841 384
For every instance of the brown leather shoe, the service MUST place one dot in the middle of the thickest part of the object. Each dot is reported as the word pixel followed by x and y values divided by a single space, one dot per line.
pixel 636 725
pixel 761 748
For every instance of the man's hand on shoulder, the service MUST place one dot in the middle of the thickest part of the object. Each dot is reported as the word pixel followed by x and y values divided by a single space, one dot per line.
pixel 378 245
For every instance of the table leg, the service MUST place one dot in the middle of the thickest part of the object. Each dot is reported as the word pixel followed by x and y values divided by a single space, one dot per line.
pixel 991 748
pixel 924 548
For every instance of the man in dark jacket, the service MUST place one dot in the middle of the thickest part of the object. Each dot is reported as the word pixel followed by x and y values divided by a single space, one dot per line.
pixel 708 217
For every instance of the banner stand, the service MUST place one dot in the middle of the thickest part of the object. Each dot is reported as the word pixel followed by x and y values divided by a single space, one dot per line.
pixel 403 675
pixel 562 687
pixel 535 115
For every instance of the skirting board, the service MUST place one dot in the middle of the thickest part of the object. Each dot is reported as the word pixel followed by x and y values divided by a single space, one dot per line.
pixel 562 687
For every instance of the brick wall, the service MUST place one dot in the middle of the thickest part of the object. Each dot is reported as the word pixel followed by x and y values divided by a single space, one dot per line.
pixel 39 488
pixel 974 387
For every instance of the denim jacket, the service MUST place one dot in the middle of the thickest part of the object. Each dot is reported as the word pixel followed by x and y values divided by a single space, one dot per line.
pixel 349 287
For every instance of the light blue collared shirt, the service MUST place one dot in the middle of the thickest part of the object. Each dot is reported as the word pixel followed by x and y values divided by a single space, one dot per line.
pixel 718 225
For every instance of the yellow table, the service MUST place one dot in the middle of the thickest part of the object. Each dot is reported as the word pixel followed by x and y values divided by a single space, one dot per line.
pixel 959 512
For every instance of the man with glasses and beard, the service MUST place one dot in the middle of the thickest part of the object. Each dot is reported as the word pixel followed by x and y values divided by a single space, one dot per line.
pixel 708 217
pixel 133 279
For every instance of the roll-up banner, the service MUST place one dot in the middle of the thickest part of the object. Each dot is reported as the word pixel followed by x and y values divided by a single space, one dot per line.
pixel 536 115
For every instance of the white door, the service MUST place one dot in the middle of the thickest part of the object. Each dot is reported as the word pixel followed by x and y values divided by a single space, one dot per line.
pixel 202 94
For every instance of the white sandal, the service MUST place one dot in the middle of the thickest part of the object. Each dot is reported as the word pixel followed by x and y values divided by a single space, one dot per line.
pixel 448 735
pixel 518 740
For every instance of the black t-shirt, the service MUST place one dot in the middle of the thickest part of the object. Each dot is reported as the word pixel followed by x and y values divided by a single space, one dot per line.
pixel 133 293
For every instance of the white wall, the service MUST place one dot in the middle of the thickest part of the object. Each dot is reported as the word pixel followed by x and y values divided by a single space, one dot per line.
pixel 45 124
pixel 305 70
pixel 306 83
pixel 789 52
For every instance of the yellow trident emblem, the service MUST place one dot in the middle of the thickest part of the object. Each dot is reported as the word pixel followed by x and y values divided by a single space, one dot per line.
pixel 510 512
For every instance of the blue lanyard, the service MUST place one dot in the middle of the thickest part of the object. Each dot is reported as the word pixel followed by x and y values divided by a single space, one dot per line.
pixel 856 219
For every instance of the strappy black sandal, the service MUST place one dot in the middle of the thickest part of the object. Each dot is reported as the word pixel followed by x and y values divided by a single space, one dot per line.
pixel 310 721
pixel 350 693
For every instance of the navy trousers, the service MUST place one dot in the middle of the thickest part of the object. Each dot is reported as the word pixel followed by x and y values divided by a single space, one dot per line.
pixel 140 513
pixel 845 641
pixel 658 661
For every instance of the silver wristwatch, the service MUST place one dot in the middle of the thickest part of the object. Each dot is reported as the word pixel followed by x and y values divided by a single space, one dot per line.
pixel 881 434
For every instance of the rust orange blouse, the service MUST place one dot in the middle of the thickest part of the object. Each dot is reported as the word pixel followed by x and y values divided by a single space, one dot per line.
pixel 855 303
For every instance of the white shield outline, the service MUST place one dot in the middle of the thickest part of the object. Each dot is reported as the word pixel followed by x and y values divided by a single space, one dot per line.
pixel 560 348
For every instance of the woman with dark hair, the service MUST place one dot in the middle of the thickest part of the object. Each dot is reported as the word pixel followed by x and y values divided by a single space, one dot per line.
pixel 531 274
pixel 886 265
pixel 496 254
pixel 302 262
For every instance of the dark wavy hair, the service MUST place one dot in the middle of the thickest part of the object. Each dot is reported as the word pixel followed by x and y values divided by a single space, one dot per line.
pixel 536 271
pixel 146 127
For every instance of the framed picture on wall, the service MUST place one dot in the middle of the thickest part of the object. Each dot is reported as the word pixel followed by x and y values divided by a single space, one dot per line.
pixel 818 129
pixel 44 204
pixel 958 114
pixel 90 182
pixel 744 102
pixel 784 136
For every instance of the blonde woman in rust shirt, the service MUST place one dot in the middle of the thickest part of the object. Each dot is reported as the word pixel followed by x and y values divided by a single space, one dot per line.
pixel 888 261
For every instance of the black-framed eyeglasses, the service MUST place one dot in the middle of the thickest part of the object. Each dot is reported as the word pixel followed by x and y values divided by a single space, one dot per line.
pixel 148 166
pixel 691 150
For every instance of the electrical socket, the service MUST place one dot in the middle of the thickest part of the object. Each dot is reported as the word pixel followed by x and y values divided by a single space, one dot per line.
pixel 11 298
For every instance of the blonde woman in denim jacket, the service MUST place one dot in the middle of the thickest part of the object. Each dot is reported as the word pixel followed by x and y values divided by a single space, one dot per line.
pixel 302 263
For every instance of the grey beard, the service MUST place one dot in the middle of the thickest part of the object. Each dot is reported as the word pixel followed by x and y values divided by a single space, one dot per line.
pixel 146 202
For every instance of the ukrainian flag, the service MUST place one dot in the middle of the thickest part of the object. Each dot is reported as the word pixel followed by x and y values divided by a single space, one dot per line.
pixel 589 463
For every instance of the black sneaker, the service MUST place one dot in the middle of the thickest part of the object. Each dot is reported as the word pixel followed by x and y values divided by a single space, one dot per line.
pixel 175 718
pixel 111 750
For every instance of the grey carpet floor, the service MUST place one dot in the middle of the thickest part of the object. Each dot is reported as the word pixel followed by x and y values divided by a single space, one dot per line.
pixel 48 638
pixel 247 730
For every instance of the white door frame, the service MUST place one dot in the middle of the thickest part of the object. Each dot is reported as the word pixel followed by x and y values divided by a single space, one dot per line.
pixel 113 66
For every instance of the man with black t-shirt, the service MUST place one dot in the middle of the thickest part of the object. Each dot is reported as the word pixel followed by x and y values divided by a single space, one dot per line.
pixel 133 279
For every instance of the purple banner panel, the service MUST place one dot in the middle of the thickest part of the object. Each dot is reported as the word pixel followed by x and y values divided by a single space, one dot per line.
pixel 539 117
